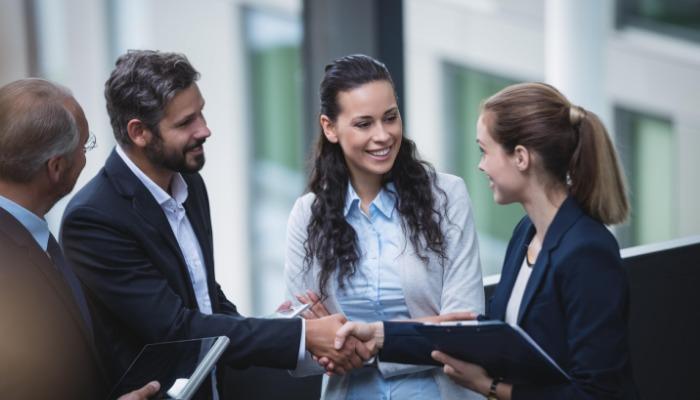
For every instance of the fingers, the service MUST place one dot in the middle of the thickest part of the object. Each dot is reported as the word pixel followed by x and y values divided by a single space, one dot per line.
pixel 308 314
pixel 342 334
pixel 318 307
pixel 453 316
pixel 449 363
pixel 441 357
pixel 459 316
pixel 144 393
pixel 360 348
pixel 347 361
pixel 286 305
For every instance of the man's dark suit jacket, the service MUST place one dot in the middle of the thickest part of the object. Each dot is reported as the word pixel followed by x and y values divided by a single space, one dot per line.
pixel 575 306
pixel 124 251
pixel 46 352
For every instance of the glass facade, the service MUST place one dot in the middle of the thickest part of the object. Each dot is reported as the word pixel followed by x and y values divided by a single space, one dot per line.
pixel 647 147
pixel 273 44
pixel 466 89
pixel 680 18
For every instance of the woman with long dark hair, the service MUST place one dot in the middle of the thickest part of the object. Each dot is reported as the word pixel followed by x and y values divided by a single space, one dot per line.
pixel 380 235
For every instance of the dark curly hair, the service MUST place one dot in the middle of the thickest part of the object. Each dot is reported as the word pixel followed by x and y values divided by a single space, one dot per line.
pixel 331 240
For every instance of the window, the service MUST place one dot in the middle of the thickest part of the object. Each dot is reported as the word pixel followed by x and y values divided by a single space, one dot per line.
pixel 646 145
pixel 680 18
pixel 466 89
pixel 273 43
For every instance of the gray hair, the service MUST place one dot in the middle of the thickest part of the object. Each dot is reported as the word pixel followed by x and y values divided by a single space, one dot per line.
pixel 35 125
pixel 141 86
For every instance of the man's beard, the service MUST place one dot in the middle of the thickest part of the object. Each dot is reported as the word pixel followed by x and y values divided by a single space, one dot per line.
pixel 174 161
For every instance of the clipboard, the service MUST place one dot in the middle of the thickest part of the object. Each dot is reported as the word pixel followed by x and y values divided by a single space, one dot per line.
pixel 503 350
pixel 179 366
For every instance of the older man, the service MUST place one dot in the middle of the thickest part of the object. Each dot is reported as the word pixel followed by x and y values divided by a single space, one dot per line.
pixel 46 331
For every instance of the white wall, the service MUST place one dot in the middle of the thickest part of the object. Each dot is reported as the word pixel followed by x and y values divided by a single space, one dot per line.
pixel 14 61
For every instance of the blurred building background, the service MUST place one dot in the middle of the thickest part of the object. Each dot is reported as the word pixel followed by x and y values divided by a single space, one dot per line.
pixel 634 62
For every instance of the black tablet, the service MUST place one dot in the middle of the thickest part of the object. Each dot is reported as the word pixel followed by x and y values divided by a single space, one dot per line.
pixel 180 367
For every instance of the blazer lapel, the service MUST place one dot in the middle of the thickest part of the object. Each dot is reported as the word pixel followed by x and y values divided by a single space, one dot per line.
pixel 568 213
pixel 509 273
pixel 143 203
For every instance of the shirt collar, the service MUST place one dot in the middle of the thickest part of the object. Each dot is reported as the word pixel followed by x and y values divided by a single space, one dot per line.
pixel 178 185
pixel 385 201
pixel 37 227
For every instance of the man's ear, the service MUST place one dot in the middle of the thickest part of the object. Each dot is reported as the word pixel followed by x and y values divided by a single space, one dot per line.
pixel 55 168
pixel 328 129
pixel 522 157
pixel 139 134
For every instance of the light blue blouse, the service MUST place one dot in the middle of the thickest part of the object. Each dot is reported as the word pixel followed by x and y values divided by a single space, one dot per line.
pixel 374 293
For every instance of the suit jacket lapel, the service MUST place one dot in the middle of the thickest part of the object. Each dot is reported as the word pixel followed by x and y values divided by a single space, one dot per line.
pixel 143 203
pixel 14 230
pixel 568 213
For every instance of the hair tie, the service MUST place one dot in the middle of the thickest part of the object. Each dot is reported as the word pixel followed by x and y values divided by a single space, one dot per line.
pixel 576 115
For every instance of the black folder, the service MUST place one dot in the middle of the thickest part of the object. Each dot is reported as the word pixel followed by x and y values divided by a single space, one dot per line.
pixel 503 350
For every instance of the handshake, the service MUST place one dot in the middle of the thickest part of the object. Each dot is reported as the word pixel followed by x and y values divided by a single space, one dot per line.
pixel 339 345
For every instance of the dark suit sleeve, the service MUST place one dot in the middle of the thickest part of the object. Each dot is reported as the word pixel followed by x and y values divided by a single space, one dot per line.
pixel 403 344
pixel 117 269
pixel 594 296
pixel 225 306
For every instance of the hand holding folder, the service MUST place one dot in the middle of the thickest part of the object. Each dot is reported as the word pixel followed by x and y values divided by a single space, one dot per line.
pixel 503 350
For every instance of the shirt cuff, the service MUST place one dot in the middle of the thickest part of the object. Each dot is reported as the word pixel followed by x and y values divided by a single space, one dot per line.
pixel 302 344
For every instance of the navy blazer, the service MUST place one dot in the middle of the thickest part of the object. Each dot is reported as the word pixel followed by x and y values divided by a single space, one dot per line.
pixel 137 282
pixel 575 305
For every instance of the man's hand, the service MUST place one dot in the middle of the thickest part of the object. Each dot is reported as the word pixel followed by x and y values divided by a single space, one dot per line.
pixel 144 393
pixel 320 341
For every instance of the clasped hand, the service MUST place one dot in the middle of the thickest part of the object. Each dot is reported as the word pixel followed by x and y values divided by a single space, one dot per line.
pixel 321 328
pixel 339 345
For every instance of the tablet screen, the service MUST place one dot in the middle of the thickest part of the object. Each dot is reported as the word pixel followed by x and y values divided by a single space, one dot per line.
pixel 164 362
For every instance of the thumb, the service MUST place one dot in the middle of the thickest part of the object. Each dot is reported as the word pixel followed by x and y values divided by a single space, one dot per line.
pixel 342 334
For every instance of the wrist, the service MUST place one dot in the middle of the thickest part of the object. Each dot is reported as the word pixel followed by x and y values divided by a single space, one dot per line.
pixel 310 328
pixel 379 334
pixel 493 386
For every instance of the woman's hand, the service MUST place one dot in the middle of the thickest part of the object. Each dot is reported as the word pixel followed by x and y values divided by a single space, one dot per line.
pixel 317 309
pixel 471 376
pixel 453 316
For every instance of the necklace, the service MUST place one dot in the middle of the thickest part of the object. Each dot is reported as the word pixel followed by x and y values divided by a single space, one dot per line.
pixel 530 259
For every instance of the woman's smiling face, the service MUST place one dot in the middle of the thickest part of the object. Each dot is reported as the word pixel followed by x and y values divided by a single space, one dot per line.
pixel 368 129
pixel 505 179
